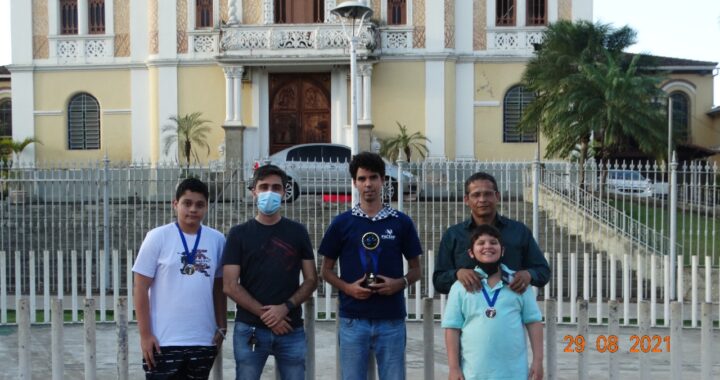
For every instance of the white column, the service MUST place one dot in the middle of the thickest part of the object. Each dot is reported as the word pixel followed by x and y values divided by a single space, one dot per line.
pixel 229 95
pixel 139 82
pixel 237 94
pixel 167 103
pixel 21 32
pixel 552 10
pixel 581 10
pixel 167 29
pixel 366 71
pixel 520 18
pixel 23 117
pixel 435 108
pixel 216 13
pixel 268 12
pixel 53 19
pixel 109 17
pixel 340 131
pixel 434 25
pixel 384 10
pixel 464 82
pixel 191 15
pixel 139 30
pixel 82 10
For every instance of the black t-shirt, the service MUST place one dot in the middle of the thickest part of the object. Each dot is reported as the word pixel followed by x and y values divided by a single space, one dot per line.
pixel 270 259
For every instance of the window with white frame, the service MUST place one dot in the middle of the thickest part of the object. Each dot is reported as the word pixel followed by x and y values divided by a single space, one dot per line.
pixel 203 14
pixel 536 12
pixel 505 12
pixel 68 17
pixel 680 115
pixel 83 122
pixel 96 16
pixel 516 101
pixel 397 12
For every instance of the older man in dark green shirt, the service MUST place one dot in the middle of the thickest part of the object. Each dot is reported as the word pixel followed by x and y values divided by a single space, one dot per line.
pixel 522 252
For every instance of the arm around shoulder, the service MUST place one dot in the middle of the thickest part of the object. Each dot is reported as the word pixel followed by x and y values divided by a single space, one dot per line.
pixel 444 273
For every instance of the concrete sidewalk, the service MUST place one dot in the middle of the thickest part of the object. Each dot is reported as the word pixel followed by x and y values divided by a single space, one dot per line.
pixel 567 362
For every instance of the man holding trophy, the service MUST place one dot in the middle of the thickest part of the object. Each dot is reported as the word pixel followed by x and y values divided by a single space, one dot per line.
pixel 371 240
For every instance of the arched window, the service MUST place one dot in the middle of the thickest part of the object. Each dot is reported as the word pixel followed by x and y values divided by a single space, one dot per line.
pixel 397 12
pixel 68 17
pixel 96 16
pixel 83 122
pixel 514 104
pixel 5 118
pixel 203 14
pixel 680 115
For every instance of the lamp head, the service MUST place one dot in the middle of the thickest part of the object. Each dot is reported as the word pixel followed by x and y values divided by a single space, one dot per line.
pixel 352 9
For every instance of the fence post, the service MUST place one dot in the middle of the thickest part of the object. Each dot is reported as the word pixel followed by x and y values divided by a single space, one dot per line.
pixel 89 324
pixel 673 223
pixel 644 323
pixel 338 371
pixel 694 290
pixel 3 287
pixel 106 221
pixel 121 320
pixel 536 195
pixel 310 336
pixel 58 366
pixel 551 338
pixel 676 324
pixel 24 339
pixel 613 330
pixel 706 342
pixel 428 338
pixel 582 330
pixel 400 195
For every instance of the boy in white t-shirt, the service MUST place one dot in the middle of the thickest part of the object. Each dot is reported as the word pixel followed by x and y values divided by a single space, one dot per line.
pixel 179 302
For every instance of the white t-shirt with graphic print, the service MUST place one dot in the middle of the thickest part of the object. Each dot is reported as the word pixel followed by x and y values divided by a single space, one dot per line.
pixel 181 297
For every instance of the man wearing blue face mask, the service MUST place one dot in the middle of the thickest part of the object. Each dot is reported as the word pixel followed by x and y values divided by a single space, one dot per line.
pixel 266 255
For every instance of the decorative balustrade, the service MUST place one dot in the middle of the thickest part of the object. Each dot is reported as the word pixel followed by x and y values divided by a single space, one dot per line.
pixel 293 39
pixel 515 41
pixel 82 49
pixel 204 42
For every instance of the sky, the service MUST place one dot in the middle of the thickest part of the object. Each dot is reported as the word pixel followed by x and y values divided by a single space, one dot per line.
pixel 683 29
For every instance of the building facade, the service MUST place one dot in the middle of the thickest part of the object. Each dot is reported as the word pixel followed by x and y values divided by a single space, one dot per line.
pixel 96 77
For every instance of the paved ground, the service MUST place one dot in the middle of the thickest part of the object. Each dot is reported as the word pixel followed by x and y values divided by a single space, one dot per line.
pixel 567 363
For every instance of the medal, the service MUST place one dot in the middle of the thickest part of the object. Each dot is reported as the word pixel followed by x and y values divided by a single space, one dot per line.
pixel 188 258
pixel 490 312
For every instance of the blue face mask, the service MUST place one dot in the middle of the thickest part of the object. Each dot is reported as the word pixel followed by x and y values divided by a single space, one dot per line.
pixel 268 202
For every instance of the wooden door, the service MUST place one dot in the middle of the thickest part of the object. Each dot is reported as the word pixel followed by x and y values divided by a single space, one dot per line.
pixel 299 110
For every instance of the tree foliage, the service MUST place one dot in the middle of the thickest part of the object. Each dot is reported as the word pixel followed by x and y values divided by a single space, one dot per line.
pixel 10 149
pixel 390 147
pixel 189 132
pixel 587 89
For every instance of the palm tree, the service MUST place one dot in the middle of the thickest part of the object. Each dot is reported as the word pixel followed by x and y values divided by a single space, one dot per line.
pixel 586 89
pixel 390 147
pixel 10 149
pixel 188 132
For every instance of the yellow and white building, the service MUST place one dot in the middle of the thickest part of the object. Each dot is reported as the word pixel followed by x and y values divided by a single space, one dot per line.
pixel 91 77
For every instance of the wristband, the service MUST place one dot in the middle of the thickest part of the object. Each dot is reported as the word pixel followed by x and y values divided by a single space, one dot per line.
pixel 289 305
pixel 222 331
pixel 407 283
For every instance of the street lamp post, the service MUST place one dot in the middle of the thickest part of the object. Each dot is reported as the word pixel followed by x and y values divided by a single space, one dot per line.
pixel 353 10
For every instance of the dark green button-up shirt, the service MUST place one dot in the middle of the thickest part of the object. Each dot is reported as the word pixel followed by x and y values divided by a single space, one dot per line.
pixel 521 252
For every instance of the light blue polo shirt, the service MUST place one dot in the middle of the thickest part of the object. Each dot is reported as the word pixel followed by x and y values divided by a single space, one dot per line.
pixel 492 348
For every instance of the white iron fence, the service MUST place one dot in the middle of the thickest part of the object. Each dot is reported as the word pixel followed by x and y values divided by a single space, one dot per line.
pixel 607 237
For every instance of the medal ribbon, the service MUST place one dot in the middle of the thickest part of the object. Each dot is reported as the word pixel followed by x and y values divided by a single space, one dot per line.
pixel 189 255
pixel 491 303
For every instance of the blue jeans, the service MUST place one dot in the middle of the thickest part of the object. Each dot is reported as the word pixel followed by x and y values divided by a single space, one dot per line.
pixel 289 351
pixel 386 337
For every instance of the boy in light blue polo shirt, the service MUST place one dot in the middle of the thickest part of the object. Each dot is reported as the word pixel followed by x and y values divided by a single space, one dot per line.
pixel 491 320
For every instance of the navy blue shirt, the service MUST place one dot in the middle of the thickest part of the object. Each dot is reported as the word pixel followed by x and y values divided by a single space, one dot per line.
pixel 521 252
pixel 398 239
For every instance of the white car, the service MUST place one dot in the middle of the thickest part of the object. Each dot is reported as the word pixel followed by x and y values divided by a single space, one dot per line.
pixel 629 182
pixel 323 169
